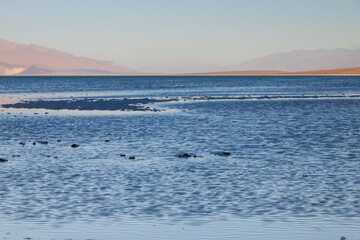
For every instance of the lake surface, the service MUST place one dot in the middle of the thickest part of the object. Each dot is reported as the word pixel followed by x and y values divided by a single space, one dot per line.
pixel 292 172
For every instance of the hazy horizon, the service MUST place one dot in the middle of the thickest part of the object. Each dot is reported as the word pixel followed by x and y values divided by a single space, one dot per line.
pixel 181 36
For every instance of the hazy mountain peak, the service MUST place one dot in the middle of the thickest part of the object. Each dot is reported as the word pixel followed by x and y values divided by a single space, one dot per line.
pixel 52 61
pixel 303 60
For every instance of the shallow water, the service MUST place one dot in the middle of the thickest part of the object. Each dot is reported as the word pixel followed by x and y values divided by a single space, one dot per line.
pixel 292 172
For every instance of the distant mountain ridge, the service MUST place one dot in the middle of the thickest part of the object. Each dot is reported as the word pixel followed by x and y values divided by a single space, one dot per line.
pixel 302 60
pixel 21 59
pixel 31 59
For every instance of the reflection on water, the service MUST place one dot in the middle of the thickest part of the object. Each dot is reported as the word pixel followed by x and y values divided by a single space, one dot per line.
pixel 292 171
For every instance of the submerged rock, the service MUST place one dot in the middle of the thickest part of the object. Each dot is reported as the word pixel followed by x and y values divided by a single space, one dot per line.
pixel 43 142
pixel 74 145
pixel 3 160
pixel 34 143
pixel 107 141
pixel 22 143
pixel 122 155
pixel 222 154
pixel 186 155
pixel 132 157
pixel 58 140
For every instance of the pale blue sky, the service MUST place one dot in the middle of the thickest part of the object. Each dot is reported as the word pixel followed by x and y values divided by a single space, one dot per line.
pixel 181 35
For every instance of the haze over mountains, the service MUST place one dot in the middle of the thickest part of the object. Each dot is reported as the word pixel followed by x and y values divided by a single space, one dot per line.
pixel 20 59
pixel 302 60
pixel 30 59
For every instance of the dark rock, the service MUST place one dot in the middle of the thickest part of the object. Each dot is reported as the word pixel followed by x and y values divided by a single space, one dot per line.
pixel 305 175
pixel 16 155
pixel 74 145
pixel 343 238
pixel 107 141
pixel 122 155
pixel 22 143
pixel 222 154
pixel 132 157
pixel 3 160
pixel 34 143
pixel 186 155
pixel 46 113
pixel 58 140
pixel 43 142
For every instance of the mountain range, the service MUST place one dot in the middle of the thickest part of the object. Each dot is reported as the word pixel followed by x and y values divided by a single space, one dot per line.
pixel 21 59
pixel 302 60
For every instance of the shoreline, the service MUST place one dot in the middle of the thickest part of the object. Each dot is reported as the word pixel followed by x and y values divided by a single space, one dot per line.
pixel 355 71
pixel 111 106
pixel 177 75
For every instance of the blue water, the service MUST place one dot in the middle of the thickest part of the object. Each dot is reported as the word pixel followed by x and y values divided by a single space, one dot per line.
pixel 293 172
pixel 181 86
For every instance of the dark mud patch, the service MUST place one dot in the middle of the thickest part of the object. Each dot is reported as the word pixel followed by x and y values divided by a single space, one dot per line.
pixel 90 104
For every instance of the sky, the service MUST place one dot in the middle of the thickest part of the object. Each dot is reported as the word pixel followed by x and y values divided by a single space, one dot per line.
pixel 172 36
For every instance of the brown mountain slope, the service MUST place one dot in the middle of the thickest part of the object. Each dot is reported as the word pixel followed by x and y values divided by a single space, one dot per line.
pixel 239 73
pixel 53 61
pixel 341 71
